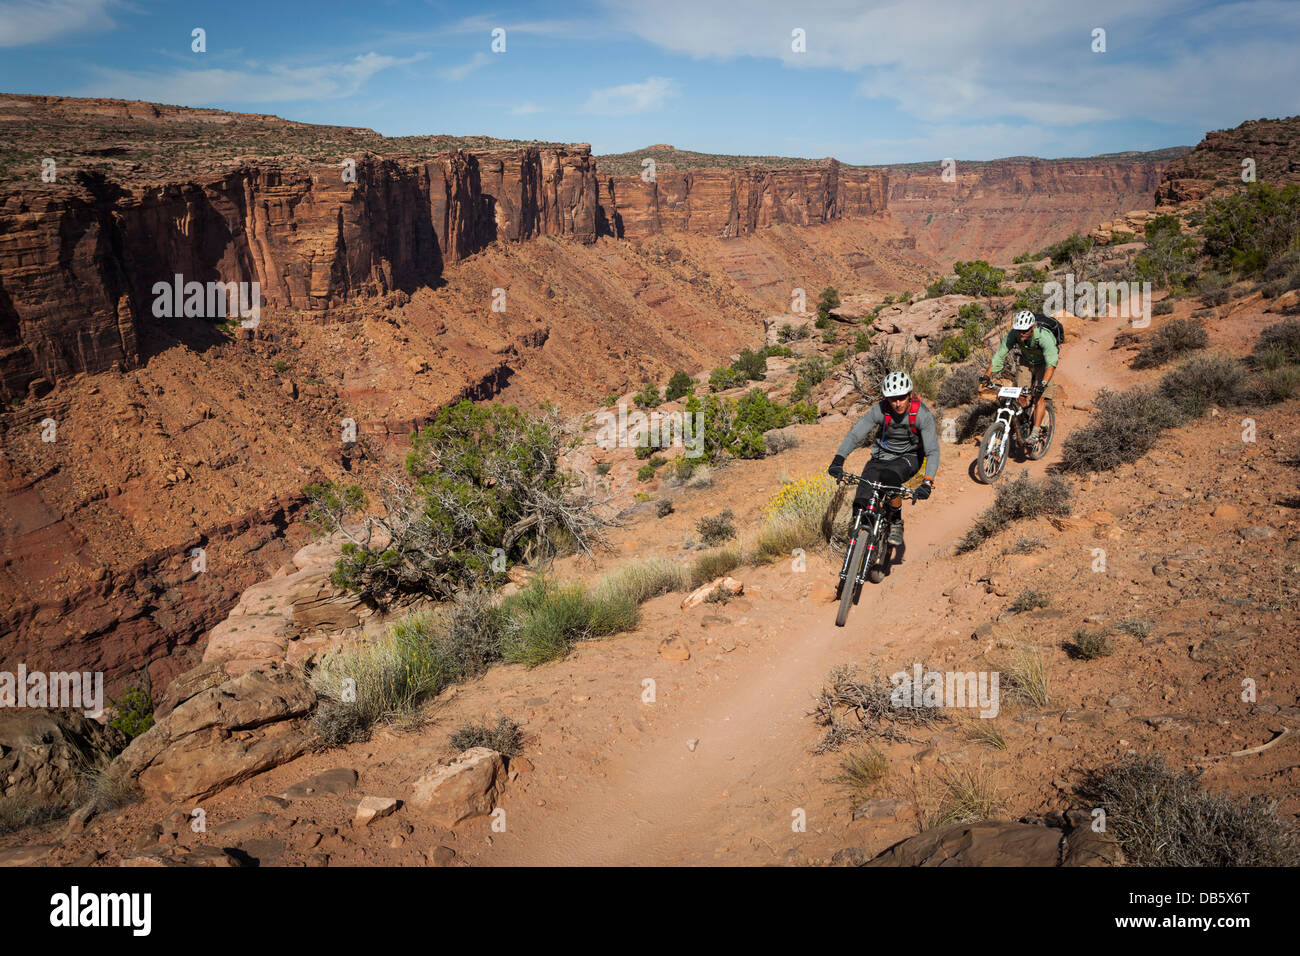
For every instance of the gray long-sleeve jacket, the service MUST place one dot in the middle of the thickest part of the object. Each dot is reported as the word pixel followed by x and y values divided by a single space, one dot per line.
pixel 897 440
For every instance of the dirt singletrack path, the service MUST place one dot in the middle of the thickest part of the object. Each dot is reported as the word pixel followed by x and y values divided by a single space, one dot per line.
pixel 656 801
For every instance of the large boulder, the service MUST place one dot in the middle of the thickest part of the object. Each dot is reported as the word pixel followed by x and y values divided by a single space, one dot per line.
pixel 43 753
pixel 223 735
pixel 466 787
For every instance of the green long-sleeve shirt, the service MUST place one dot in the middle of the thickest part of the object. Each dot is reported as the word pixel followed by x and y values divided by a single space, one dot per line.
pixel 1039 350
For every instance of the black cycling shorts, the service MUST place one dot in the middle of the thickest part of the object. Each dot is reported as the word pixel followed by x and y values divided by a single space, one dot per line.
pixel 895 472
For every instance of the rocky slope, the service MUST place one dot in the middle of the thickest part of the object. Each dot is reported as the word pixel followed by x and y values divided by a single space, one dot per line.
pixel 1216 163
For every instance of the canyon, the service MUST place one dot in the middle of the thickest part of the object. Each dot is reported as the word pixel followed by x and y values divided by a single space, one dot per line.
pixel 396 276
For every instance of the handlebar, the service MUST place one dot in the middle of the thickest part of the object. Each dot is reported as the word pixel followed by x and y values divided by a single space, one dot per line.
pixel 892 490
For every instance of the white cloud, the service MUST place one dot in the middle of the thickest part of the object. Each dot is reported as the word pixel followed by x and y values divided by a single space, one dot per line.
pixel 631 97
pixel 24 22
pixel 1027 60
pixel 454 74
pixel 277 83
pixel 527 109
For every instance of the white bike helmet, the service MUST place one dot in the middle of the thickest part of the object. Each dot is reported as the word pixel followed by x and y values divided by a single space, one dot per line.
pixel 896 384
pixel 1024 320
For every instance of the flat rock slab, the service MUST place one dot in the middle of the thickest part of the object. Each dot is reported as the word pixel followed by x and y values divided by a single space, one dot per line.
pixel 988 843
pixel 464 788
pixel 332 782
pixel 188 856
pixel 25 855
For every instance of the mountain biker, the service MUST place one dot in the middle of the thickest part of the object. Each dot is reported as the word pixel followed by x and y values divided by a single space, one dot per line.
pixel 900 430
pixel 1038 353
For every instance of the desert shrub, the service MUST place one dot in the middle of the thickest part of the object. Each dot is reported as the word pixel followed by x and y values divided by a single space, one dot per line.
pixel 680 468
pixel 1166 818
pixel 664 508
pixel 829 337
pixel 17 813
pixel 714 564
pixel 505 737
pixel 646 472
pixel 679 385
pixel 975 419
pixel 1170 340
pixel 648 397
pixel 1202 381
pixel 1029 600
pixel 926 379
pixel 779 441
pixel 1025 544
pixel 1029 273
pixel 966 794
pixel 780 351
pixel 1016 501
pixel 1283 337
pixel 1090 645
pixel 603 468
pixel 1124 426
pixel 715 529
pixel 1163 307
pixel 481 477
pixel 861 341
pixel 961 387
pixel 1268 386
pixel 1136 626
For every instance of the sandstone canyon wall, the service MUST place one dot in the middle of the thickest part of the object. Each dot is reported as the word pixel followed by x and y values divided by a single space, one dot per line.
pixel 999 209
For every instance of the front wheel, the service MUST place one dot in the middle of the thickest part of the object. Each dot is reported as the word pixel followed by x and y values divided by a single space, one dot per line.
pixel 849 586
pixel 1038 450
pixel 993 453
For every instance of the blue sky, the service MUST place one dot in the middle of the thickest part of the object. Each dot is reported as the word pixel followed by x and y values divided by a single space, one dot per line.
pixel 877 82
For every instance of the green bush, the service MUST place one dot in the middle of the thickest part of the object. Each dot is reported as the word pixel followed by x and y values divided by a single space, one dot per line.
pixel 1250 229
pixel 549 618
pixel 1124 426
pixel 134 712
pixel 646 472
pixel 1068 250
pixel 721 379
pixel 1269 386
pixel 829 299
pixel 483 477
pixel 648 397
pixel 679 385
pixel 1090 645
pixel 751 364
pixel 811 372
pixel 978 278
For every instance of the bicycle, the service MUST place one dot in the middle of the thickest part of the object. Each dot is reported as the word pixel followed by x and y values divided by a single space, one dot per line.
pixel 1012 425
pixel 867 556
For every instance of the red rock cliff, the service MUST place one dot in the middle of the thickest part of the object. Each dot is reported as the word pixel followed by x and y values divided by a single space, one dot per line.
pixel 1000 209
pixel 78 261
pixel 736 202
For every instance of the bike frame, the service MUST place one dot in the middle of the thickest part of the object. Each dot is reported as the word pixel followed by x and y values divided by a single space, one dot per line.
pixel 1009 410
pixel 871 509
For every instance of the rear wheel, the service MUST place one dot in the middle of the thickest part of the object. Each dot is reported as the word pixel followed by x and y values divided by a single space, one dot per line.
pixel 1037 451
pixel 993 453
pixel 849 586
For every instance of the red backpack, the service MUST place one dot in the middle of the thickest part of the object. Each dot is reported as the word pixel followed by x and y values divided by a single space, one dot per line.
pixel 911 418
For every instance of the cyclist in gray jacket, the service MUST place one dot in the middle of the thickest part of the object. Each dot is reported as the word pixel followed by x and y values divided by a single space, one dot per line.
pixel 900 430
